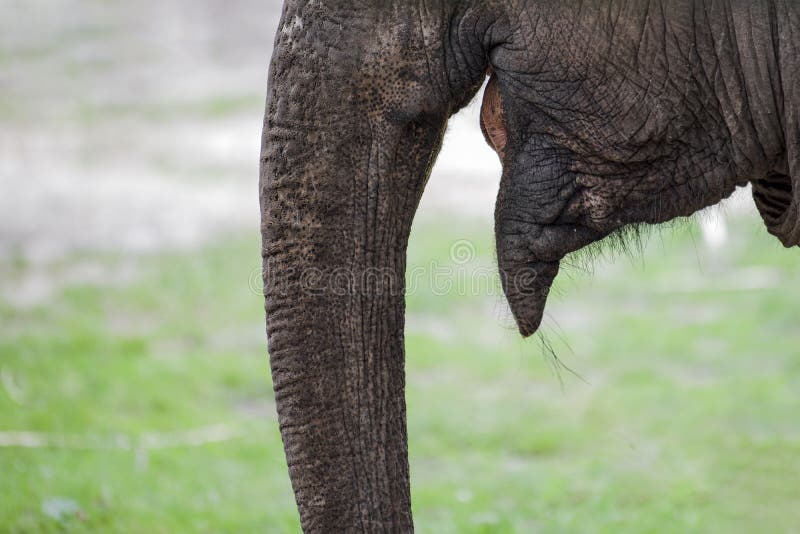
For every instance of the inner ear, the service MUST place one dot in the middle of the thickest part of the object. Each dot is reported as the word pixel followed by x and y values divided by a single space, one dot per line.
pixel 492 124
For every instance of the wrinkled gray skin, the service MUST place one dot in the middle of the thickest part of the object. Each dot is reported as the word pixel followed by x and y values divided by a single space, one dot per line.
pixel 605 114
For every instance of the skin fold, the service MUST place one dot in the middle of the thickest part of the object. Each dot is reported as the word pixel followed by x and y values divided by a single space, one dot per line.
pixel 604 115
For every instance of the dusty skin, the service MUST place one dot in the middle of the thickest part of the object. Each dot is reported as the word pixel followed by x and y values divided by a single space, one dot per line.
pixel 615 114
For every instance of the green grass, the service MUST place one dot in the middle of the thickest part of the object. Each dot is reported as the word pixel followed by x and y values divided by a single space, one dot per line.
pixel 679 413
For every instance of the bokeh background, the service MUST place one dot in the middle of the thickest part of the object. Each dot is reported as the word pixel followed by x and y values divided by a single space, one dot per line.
pixel 134 385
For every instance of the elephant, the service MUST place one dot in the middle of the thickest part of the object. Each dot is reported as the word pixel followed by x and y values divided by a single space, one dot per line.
pixel 606 115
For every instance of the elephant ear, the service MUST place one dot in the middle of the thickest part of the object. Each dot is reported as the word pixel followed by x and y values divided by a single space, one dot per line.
pixel 777 197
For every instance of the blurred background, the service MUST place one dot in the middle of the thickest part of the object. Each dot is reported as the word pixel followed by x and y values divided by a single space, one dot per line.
pixel 134 384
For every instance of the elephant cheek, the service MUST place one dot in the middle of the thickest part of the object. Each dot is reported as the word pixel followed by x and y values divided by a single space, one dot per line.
pixel 492 123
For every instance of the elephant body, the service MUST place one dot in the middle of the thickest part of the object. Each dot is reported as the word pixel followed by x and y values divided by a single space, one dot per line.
pixel 604 114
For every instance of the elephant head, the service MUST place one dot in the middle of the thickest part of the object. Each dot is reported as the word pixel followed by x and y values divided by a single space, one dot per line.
pixel 604 114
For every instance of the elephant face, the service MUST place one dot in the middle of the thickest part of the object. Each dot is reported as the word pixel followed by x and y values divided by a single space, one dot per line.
pixel 616 120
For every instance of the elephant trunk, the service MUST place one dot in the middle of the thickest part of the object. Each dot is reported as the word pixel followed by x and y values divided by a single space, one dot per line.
pixel 351 132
